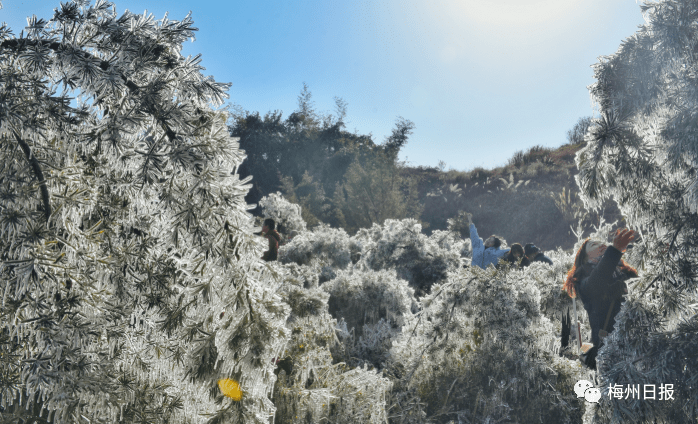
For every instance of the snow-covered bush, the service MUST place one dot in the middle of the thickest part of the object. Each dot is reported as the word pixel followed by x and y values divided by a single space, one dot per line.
pixel 365 297
pixel 324 249
pixel 313 385
pixel 285 214
pixel 548 280
pixel 480 351
pixel 400 245
pixel 374 306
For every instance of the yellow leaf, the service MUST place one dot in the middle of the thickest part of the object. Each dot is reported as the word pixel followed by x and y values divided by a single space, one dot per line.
pixel 230 388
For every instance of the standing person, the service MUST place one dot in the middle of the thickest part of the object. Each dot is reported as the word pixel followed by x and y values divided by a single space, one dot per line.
pixel 487 252
pixel 598 277
pixel 269 232
pixel 533 254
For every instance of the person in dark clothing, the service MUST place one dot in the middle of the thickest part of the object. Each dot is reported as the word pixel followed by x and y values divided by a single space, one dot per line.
pixel 516 253
pixel 269 232
pixel 524 262
pixel 533 254
pixel 598 277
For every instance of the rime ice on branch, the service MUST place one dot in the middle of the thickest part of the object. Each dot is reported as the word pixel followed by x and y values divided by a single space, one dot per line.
pixel 124 234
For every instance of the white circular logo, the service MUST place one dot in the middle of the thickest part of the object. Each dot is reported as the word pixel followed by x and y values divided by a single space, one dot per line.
pixel 592 395
pixel 581 387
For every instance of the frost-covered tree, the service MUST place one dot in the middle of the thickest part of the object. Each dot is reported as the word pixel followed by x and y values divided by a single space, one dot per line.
pixel 643 153
pixel 130 277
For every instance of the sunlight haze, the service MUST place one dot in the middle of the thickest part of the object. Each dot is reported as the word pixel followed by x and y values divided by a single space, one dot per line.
pixel 480 79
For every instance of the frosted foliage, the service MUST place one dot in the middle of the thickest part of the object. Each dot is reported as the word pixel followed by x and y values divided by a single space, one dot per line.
pixel 642 152
pixel 452 242
pixel 548 280
pixel 312 385
pixel 374 306
pixel 364 297
pixel 397 244
pixel 481 350
pixel 487 328
pixel 285 214
pixel 130 277
pixel 336 394
pixel 400 245
pixel 323 249
pixel 301 276
pixel 638 333
pixel 322 245
pixel 482 346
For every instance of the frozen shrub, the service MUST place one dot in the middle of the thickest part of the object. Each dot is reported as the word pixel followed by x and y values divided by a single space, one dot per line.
pixel 374 306
pixel 365 297
pixel 302 276
pixel 451 242
pixel 285 214
pixel 479 351
pixel 324 249
pixel 322 245
pixel 548 280
pixel 400 245
pixel 312 386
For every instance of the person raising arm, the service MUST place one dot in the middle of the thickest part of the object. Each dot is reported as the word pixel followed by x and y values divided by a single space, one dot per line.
pixel 598 277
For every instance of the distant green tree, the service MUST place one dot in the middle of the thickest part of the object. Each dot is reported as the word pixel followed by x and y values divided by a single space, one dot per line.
pixel 308 155
pixel 310 195
pixel 398 137
pixel 265 147
pixel 374 190
pixel 305 142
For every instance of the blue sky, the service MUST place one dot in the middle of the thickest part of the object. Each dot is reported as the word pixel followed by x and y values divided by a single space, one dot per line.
pixel 480 79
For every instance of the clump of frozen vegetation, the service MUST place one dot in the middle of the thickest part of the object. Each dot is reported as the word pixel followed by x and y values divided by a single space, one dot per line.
pixel 480 351
pixel 287 215
pixel 323 249
pixel 417 258
pixel 312 385
pixel 374 306
pixel 473 337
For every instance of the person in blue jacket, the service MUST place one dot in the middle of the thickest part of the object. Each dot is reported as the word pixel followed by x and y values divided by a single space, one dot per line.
pixel 487 252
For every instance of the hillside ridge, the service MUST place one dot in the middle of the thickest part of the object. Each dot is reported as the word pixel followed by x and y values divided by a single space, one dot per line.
pixel 532 199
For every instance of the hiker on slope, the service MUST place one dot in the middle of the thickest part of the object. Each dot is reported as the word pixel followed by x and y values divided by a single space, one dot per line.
pixel 515 255
pixel 533 254
pixel 487 252
pixel 599 276
pixel 269 232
